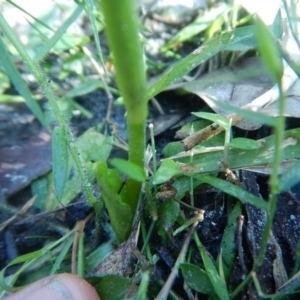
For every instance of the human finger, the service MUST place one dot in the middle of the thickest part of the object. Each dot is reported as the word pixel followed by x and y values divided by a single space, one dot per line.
pixel 57 287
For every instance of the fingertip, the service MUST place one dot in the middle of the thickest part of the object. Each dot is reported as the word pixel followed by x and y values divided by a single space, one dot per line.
pixel 58 287
pixel 79 288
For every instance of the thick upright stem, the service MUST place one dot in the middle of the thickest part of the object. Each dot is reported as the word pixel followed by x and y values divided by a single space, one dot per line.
pixel 121 20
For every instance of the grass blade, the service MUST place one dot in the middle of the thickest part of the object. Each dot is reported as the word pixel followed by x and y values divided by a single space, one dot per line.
pixel 47 46
pixel 228 243
pixel 234 191
pixel 90 7
pixel 19 84
pixel 198 56
pixel 211 271
pixel 59 160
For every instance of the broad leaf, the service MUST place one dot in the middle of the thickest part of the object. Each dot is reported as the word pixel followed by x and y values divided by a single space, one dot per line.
pixel 168 215
pixel 120 213
pixel 111 287
pixel 129 168
pixel 167 170
pixel 196 278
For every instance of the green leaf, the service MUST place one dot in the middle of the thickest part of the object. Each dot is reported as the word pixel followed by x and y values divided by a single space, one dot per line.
pixel 87 87
pixel 196 278
pixel 47 46
pixel 242 45
pixel 111 287
pixel 172 148
pixel 88 145
pixel 268 50
pixel 198 56
pixel 183 185
pixel 239 159
pixel 99 255
pixel 220 120
pixel 20 85
pixel 228 243
pixel 167 170
pixel 84 88
pixel 61 256
pixel 234 191
pixel 143 286
pixel 259 159
pixel 59 160
pixel 120 213
pixel 90 11
pixel 94 146
pixel 129 168
pixel 277 26
pixel 169 212
pixel 29 260
pixel 254 116
pixel 212 273
pixel 40 188
pixel 200 24
pixel 243 143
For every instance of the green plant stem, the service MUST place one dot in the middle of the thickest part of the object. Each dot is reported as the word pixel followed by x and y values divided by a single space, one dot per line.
pixel 164 292
pixel 151 195
pixel 274 183
pixel 147 236
pixel 151 200
pixel 192 199
pixel 121 22
pixel 90 9
pixel 154 164
pixel 136 143
pixel 80 261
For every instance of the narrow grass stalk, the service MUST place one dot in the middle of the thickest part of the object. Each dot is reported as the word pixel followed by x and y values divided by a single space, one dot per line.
pixel 142 291
pixel 90 10
pixel 164 292
pixel 80 261
pixel 121 22
pixel 28 261
pixel 151 196
pixel 146 237
pixel 274 182
pixel 154 164
pixel 273 61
